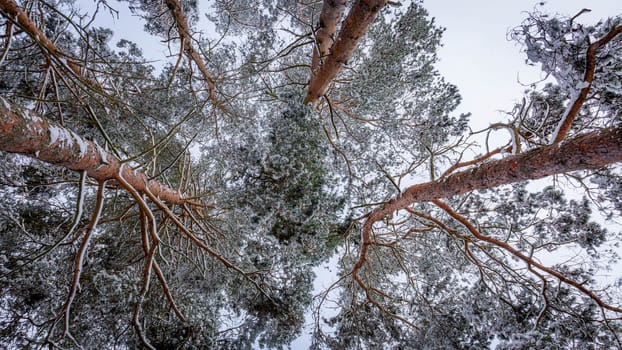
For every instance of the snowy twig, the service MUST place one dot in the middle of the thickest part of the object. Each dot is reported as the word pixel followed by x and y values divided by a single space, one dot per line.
pixel 78 265
pixel 590 67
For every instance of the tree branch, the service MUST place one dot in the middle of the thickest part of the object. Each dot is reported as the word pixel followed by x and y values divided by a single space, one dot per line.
pixel 589 151
pixel 590 68
pixel 527 259
pixel 361 15
pixel 15 13
pixel 24 132
pixel 186 43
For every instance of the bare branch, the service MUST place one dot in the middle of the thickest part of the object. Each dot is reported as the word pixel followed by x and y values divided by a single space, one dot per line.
pixel 64 314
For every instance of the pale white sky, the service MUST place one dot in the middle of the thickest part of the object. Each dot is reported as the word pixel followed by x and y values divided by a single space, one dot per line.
pixel 476 54
pixel 479 59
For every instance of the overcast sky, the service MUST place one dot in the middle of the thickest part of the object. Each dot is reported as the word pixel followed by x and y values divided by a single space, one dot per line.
pixel 476 54
pixel 478 58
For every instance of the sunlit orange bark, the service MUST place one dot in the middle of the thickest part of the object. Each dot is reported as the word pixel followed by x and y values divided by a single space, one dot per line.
pixel 332 10
pixel 186 41
pixel 24 132
pixel 589 151
pixel 13 11
pixel 355 25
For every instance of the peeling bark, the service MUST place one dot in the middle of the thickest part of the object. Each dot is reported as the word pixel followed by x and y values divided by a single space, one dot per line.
pixel 361 15
pixel 24 132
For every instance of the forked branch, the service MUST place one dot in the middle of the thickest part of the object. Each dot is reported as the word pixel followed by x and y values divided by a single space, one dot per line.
pixel 589 151
pixel 527 259
pixel 361 15
pixel 186 43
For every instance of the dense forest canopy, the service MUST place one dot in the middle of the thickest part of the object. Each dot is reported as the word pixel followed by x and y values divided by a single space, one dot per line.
pixel 189 206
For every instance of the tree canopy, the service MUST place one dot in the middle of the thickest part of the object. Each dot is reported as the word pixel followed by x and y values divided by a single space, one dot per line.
pixel 191 204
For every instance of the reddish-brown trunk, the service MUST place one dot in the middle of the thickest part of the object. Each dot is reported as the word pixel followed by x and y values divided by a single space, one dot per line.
pixel 332 10
pixel 355 25
pixel 589 151
pixel 23 132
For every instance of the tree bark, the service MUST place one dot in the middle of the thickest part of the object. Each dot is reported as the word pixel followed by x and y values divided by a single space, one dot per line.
pixel 361 15
pixel 332 10
pixel 588 78
pixel 186 41
pixel 24 132
pixel 14 12
pixel 589 151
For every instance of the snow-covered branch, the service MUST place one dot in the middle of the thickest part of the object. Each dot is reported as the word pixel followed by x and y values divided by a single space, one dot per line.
pixel 24 132
pixel 186 43
pixel 589 151
pixel 13 11
pixel 584 88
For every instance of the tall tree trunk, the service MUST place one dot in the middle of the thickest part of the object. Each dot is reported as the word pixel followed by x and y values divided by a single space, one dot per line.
pixel 24 132
pixel 589 151
pixel 355 25
pixel 332 10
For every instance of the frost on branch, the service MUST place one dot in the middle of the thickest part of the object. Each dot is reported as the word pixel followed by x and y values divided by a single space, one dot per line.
pixel 585 62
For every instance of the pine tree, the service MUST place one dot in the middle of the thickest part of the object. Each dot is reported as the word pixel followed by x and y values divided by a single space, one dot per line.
pixel 187 207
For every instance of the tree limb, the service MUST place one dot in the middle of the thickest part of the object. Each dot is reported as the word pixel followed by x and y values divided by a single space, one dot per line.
pixel 24 132
pixel 590 68
pixel 186 43
pixel 527 259
pixel 361 15
pixel 589 151
pixel 15 13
